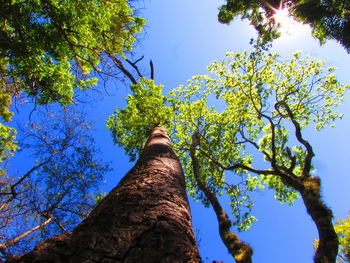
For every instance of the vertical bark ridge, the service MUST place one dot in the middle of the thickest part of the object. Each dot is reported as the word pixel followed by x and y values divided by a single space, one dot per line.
pixel 146 218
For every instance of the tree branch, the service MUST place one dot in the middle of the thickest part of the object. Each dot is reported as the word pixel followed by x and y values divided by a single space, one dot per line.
pixel 13 192
pixel 120 65
pixel 152 69
pixel 310 154
pixel 241 251
pixel 133 64
pixel 13 241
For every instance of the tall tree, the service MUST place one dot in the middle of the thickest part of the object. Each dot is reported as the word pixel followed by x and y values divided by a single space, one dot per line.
pixel 146 218
pixel 266 107
pixel 328 19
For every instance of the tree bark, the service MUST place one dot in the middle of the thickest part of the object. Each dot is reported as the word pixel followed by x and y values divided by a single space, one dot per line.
pixel 327 248
pixel 146 218
pixel 309 188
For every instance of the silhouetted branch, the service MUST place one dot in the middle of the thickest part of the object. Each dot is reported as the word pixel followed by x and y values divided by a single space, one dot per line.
pixel 152 69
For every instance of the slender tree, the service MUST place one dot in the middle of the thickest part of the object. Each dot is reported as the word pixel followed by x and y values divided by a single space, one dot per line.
pixel 267 106
pixel 146 218
pixel 240 251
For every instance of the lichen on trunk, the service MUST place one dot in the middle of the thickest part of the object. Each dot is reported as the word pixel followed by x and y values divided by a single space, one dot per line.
pixel 327 248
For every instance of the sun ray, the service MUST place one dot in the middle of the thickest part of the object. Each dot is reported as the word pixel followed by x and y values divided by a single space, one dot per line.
pixel 286 24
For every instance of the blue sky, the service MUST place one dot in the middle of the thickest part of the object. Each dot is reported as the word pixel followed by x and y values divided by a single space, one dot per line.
pixel 182 38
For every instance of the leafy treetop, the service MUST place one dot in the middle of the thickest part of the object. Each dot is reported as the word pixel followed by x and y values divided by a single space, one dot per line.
pixel 146 109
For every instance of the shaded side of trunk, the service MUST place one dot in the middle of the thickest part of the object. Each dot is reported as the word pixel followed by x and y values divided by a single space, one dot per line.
pixel 146 218
pixel 327 249
pixel 240 251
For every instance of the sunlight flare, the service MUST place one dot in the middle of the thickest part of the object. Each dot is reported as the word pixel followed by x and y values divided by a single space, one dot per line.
pixel 287 25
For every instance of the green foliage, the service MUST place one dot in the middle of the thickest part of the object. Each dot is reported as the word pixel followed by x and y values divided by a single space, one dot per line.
pixel 130 127
pixel 256 92
pixel 342 227
pixel 48 48
pixel 257 12
pixel 99 197
pixel 42 40
pixel 249 112
pixel 7 134
pixel 8 144
pixel 328 19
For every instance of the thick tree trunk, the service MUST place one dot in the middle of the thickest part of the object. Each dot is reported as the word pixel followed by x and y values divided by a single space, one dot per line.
pixel 327 248
pixel 146 218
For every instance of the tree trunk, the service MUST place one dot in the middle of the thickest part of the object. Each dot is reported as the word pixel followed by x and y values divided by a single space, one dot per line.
pixel 310 189
pixel 146 218
pixel 327 248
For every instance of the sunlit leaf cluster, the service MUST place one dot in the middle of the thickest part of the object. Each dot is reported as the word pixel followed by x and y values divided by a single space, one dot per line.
pixel 342 227
pixel 130 127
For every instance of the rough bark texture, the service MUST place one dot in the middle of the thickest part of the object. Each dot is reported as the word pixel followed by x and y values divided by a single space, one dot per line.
pixel 146 218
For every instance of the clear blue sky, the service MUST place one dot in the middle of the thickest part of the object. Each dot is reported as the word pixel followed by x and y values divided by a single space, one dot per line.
pixel 182 37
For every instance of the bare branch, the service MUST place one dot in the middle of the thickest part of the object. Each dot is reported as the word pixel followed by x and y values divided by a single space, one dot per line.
pixel 152 69
pixel 120 65
pixel 13 192
pixel 239 166
pixel 133 64
pixel 256 146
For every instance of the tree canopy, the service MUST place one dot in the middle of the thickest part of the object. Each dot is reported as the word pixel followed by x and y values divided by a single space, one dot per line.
pixel 48 48
pixel 328 19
